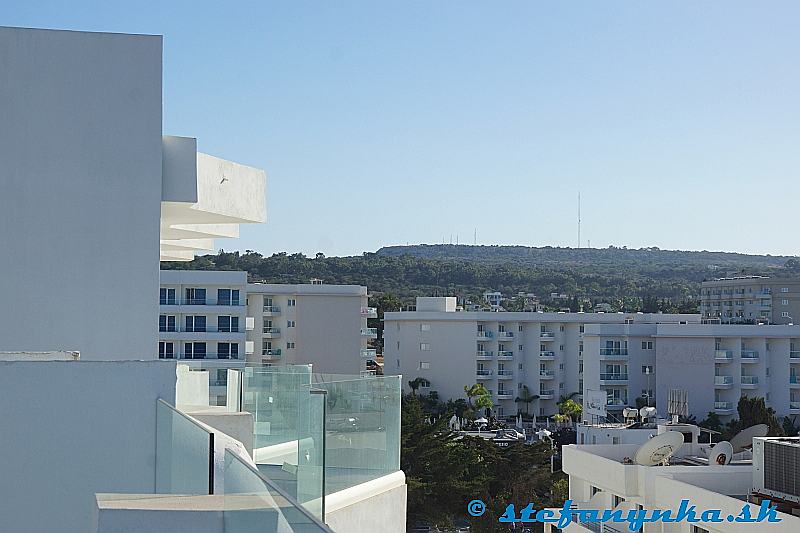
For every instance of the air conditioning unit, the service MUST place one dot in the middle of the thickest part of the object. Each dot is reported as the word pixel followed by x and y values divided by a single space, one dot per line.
pixel 776 467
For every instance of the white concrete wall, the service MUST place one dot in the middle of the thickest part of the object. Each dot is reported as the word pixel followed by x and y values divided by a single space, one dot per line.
pixel 80 145
pixel 72 429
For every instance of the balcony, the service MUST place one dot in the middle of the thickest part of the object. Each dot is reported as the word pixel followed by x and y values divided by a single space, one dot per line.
pixel 505 374
pixel 547 394
pixel 271 310
pixel 271 333
pixel 485 335
pixel 224 302
pixel 483 374
pixel 794 381
pixel 484 355
pixel 547 335
pixel 723 408
pixel 368 353
pixel 547 356
pixel 505 355
pixel 505 335
pixel 724 356
pixel 370 333
pixel 613 354
pixel 271 354
pixel 749 382
pixel 616 403
pixel 505 395
pixel 613 379
pixel 794 355
pixel 547 374
pixel 369 312
pixel 794 406
pixel 723 382
pixel 749 356
pixel 209 356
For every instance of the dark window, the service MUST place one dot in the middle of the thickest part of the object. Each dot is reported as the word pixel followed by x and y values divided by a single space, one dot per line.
pixel 166 296
pixel 196 296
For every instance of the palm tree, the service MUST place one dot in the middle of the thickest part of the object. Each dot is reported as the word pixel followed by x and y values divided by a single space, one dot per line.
pixel 526 397
pixel 415 384
pixel 476 391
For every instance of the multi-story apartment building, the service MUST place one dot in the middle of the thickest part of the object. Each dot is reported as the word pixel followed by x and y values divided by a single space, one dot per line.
pixel 202 321
pixel 716 364
pixel 505 351
pixel 750 299
pixel 324 325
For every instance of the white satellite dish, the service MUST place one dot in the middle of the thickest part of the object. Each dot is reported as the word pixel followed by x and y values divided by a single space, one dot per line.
pixel 647 412
pixel 720 454
pixel 659 449
pixel 630 412
pixel 744 439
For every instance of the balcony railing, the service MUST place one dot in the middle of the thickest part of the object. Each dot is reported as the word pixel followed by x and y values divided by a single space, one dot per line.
pixel 794 354
pixel 485 335
pixel 749 380
pixel 505 354
pixel 723 380
pixel 750 355
pixel 208 355
pixel 547 354
pixel 505 335
pixel 368 353
pixel 613 377
pixel 271 310
pixel 201 301
pixel 369 332
pixel 483 373
pixel 794 405
pixel 505 373
pixel 613 351
pixel 794 380
pixel 504 395
pixel 617 402
pixel 272 331
pixel 547 335
pixel 369 312
pixel 546 393
pixel 484 355
pixel 207 329
pixel 723 355
pixel 274 353
pixel 723 406
pixel 547 373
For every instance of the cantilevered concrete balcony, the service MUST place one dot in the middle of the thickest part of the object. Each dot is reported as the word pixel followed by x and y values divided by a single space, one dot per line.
pixel 204 197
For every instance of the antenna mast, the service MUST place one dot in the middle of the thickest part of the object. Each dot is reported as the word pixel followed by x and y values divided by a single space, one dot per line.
pixel 579 219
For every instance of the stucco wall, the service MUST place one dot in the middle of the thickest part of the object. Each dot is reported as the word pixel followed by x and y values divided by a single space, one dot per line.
pixel 80 146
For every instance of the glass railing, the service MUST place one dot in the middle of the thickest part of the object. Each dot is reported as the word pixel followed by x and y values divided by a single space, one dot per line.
pixel 614 377
pixel 505 334
pixel 201 301
pixel 749 380
pixel 749 354
pixel 184 453
pixel 723 405
pixel 547 354
pixel 483 372
pixel 723 380
pixel 546 392
pixel 254 504
pixel 613 351
pixel 369 332
pixel 271 352
pixel 271 330
pixel 485 334
pixel 794 405
pixel 271 309
pixel 794 354
pixel 794 380
pixel 369 353
pixel 723 355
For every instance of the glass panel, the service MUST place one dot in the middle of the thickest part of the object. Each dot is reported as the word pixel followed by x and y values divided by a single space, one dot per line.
pixel 184 453
pixel 254 504
pixel 311 450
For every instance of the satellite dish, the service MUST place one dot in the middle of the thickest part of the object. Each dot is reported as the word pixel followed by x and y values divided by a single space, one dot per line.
pixel 744 439
pixel 647 412
pixel 630 412
pixel 659 449
pixel 720 453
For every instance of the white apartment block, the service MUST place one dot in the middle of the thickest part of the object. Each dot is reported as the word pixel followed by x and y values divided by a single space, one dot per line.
pixel 751 299
pixel 716 364
pixel 599 478
pixel 503 350
pixel 318 324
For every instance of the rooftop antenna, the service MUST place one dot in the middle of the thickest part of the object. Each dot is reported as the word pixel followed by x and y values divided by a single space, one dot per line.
pixel 579 219
pixel 475 237
pixel 678 404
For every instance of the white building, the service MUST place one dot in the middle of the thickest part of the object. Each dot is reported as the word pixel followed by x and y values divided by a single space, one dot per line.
pixel 716 364
pixel 751 299
pixel 505 350
pixel 95 193
pixel 318 324
pixel 118 439
pixel 599 478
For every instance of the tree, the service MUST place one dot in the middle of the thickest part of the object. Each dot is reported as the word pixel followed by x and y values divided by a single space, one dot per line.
pixel 415 384
pixel 478 396
pixel 754 411
pixel 526 397
pixel 571 409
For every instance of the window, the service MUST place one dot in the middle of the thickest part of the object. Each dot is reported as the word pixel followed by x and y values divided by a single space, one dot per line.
pixel 166 323
pixel 227 350
pixel 290 323
pixel 785 314
pixel 425 346
pixel 398 363
pixel 424 327
pixel 561 327
pixel 227 296
pixel 291 302
pixel 561 386
pixel 520 366
pixel 581 328
pixel 519 347
pixel 784 289
pixel 290 346
pixel 520 329
pixel 424 365
pixel 647 369
pixel 561 347
pixel 580 367
pixel 194 350
pixel 519 386
pixel 166 296
pixel 561 366
pixel 228 324
pixel 166 350
pixel 784 302
pixel 195 296
pixel 501 328
pixel 196 323
pixel 647 345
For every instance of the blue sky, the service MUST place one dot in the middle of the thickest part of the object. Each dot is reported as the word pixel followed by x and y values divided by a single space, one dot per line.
pixel 383 123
